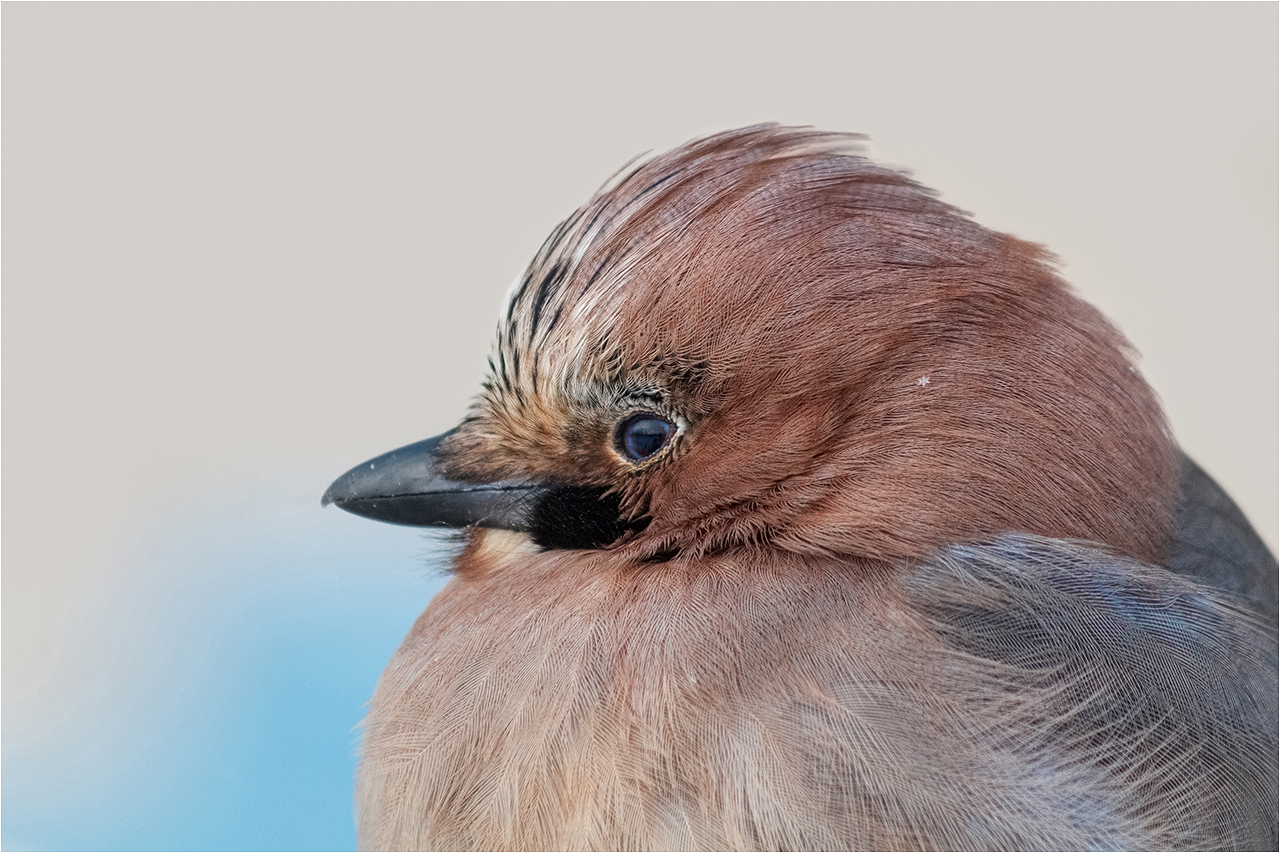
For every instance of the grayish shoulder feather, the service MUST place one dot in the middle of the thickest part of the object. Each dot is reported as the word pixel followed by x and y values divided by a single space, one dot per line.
pixel 1149 676
pixel 1215 543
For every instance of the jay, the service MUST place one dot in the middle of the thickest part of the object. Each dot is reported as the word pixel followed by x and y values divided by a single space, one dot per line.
pixel 798 510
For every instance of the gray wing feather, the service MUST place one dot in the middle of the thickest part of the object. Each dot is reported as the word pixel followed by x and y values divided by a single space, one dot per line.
pixel 1215 543
pixel 1123 672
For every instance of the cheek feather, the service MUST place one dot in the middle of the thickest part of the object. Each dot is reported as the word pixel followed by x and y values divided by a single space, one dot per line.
pixel 490 552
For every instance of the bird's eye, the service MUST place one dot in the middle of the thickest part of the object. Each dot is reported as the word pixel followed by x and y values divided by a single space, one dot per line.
pixel 643 434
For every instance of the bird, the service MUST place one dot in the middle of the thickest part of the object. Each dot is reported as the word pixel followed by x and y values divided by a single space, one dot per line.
pixel 798 510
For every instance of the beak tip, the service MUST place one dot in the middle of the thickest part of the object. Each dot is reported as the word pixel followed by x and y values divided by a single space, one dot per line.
pixel 338 491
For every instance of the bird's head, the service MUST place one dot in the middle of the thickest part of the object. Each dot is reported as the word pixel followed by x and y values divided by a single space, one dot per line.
pixel 763 339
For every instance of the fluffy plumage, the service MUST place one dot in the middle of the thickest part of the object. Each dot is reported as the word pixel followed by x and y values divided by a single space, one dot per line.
pixel 917 564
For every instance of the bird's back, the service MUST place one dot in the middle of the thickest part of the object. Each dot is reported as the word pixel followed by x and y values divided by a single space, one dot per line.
pixel 1214 543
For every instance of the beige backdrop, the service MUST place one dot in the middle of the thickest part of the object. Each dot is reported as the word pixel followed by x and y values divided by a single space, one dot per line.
pixel 254 243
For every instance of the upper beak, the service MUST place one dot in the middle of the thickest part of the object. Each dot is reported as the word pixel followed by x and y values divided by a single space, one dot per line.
pixel 405 487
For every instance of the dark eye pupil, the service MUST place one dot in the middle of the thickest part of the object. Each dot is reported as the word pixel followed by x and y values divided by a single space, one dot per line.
pixel 642 435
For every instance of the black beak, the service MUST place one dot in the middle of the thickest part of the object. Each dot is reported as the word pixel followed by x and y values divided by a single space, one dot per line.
pixel 405 487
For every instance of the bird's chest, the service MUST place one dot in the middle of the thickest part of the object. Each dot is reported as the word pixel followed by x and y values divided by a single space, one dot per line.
pixel 738 707
pixel 673 711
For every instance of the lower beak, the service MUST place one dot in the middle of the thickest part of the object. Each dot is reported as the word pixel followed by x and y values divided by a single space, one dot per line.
pixel 405 487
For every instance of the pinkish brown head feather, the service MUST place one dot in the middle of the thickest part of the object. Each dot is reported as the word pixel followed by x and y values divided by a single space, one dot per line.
pixel 930 381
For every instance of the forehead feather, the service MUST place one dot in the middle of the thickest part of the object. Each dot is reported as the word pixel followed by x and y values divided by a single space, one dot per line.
pixel 735 204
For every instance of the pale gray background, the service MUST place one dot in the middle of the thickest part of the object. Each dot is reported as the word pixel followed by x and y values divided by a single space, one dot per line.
pixel 248 246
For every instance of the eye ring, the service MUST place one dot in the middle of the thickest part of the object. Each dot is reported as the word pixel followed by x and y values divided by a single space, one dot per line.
pixel 643 435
